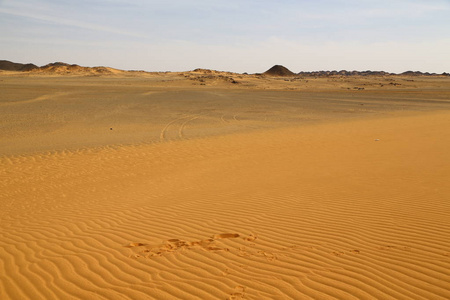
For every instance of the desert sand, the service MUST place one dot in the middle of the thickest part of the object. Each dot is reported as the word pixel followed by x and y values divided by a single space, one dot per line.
pixel 212 185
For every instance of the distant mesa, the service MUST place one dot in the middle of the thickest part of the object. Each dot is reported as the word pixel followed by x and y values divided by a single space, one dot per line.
pixel 344 73
pixel 60 67
pixel 279 70
pixel 208 71
pixel 414 73
pixel 57 68
pixel 11 66
pixel 59 64
pixel 200 70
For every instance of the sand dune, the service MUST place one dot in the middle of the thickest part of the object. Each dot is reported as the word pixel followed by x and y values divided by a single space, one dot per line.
pixel 229 194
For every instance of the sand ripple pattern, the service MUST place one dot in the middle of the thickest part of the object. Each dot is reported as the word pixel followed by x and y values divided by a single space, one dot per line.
pixel 284 214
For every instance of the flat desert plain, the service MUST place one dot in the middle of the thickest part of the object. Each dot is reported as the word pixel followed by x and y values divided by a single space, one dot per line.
pixel 205 186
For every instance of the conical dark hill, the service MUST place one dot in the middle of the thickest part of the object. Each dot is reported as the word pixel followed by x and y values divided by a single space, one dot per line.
pixel 278 70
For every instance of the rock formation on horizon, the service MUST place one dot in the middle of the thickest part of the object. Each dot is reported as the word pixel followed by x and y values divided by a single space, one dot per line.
pixel 56 68
pixel 279 70
pixel 11 66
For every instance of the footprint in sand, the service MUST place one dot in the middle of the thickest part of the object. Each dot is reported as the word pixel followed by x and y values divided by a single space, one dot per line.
pixel 251 237
pixel 130 245
pixel 226 236
pixel 238 293
pixel 269 256
pixel 176 245
pixel 339 253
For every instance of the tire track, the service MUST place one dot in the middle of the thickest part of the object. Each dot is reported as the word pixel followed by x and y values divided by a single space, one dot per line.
pixel 183 126
pixel 163 134
pixel 222 117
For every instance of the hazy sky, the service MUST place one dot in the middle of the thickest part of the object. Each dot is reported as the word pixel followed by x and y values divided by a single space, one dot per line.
pixel 229 35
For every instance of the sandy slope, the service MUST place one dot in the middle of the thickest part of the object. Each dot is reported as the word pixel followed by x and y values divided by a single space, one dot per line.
pixel 47 113
pixel 341 207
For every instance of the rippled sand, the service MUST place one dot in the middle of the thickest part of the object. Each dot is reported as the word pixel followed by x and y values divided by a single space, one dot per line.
pixel 154 188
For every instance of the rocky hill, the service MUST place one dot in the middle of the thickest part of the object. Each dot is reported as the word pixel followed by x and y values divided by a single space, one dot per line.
pixel 11 66
pixel 279 70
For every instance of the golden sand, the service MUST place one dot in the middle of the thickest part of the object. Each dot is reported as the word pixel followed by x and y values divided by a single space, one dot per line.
pixel 158 188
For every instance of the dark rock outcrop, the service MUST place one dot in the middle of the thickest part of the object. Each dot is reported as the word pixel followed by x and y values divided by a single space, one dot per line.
pixel 11 66
pixel 278 70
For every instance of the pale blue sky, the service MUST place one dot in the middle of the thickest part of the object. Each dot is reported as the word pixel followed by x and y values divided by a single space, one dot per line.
pixel 233 35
